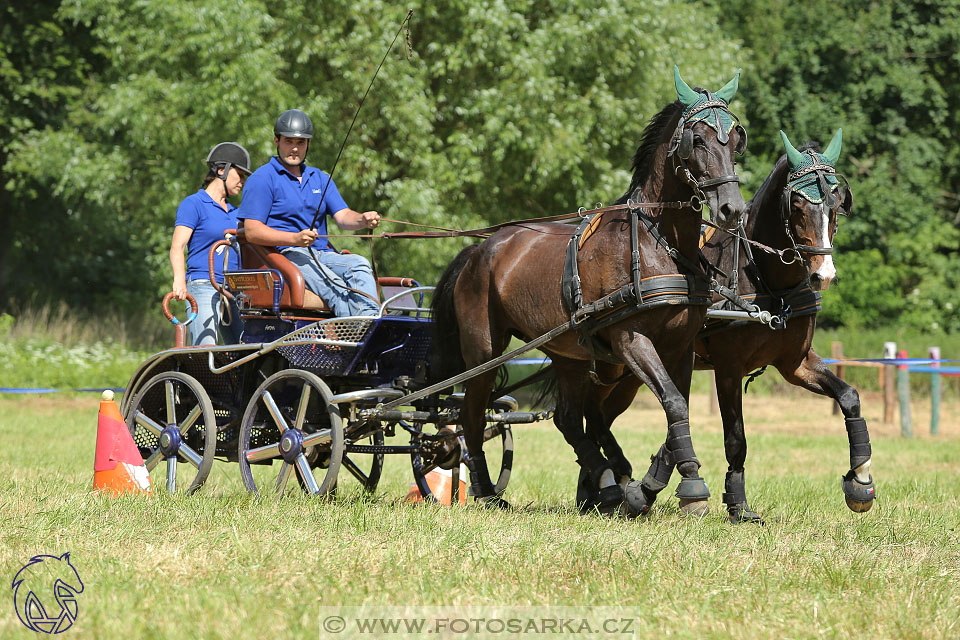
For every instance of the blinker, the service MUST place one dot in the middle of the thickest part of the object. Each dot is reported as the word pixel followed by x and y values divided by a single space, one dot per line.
pixel 686 144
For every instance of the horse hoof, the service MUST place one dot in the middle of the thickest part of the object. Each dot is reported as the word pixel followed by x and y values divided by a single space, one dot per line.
pixel 493 502
pixel 858 507
pixel 740 514
pixel 637 499
pixel 696 508
pixel 692 489
pixel 859 495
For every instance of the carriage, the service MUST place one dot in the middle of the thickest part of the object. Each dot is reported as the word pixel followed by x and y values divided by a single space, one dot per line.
pixel 316 394
pixel 295 397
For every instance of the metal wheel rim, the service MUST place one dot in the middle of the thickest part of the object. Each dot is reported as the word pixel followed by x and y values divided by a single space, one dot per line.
pixel 300 468
pixel 200 459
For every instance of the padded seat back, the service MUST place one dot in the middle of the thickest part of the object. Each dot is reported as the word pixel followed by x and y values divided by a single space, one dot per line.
pixel 295 294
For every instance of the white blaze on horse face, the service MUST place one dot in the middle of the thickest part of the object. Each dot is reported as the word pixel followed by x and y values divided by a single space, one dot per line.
pixel 826 272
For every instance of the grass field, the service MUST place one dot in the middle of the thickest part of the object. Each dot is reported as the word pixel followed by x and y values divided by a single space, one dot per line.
pixel 222 564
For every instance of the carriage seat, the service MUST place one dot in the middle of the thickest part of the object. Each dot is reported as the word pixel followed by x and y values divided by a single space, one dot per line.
pixel 295 294
pixel 256 280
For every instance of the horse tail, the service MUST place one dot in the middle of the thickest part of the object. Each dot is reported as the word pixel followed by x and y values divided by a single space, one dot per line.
pixel 448 359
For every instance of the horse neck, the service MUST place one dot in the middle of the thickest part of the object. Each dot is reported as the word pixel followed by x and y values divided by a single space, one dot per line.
pixel 679 227
pixel 765 225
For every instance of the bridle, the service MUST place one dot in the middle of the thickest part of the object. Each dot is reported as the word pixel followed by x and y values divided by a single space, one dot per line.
pixel 821 171
pixel 681 147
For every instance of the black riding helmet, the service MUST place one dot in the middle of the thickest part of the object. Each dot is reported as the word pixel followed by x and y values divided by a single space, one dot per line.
pixel 293 123
pixel 227 155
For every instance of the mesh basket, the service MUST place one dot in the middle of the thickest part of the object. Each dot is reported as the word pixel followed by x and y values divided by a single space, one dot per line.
pixel 318 353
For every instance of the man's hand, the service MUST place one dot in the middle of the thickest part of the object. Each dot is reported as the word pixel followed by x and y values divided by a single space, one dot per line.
pixel 304 238
pixel 370 219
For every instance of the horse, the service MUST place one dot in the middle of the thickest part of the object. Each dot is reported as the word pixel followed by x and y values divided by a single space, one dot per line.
pixel 510 285
pixel 793 219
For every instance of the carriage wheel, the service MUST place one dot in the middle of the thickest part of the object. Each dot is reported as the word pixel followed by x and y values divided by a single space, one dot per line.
pixel 173 424
pixel 290 421
pixel 366 467
pixel 499 455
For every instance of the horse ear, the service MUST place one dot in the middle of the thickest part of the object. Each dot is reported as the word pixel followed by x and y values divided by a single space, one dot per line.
pixel 685 94
pixel 833 149
pixel 730 89
pixel 793 156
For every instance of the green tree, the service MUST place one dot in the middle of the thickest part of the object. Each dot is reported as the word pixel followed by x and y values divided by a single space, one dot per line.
pixel 504 110
pixel 45 64
pixel 887 72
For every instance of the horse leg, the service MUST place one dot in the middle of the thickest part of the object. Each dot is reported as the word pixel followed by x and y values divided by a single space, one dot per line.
pixel 600 417
pixel 479 342
pixel 473 418
pixel 599 487
pixel 730 397
pixel 814 375
pixel 638 352
pixel 604 403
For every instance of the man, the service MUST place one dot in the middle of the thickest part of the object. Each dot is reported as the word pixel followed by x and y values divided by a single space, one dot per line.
pixel 279 203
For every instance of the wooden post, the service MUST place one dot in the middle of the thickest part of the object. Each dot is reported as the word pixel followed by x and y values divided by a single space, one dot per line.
pixel 836 353
pixel 934 393
pixel 889 393
pixel 903 391
pixel 714 401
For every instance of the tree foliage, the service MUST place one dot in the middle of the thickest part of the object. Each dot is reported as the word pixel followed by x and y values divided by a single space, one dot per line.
pixel 887 73
pixel 502 109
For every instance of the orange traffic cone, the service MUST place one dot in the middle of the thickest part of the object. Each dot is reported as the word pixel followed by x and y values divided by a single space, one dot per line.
pixel 440 482
pixel 117 465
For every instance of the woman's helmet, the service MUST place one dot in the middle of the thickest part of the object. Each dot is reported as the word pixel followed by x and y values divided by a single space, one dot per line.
pixel 293 123
pixel 226 155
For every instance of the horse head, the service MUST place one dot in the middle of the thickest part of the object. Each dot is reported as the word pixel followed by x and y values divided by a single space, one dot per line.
pixel 706 141
pixel 813 198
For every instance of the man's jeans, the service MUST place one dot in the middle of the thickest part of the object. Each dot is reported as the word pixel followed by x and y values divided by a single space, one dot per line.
pixel 334 272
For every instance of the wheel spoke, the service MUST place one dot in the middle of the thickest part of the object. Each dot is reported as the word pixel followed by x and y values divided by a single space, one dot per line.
pixel 171 397
pixel 355 470
pixel 274 411
pixel 492 432
pixel 153 459
pixel 190 456
pixel 316 438
pixel 285 469
pixel 147 423
pixel 267 452
pixel 425 469
pixel 172 474
pixel 302 408
pixel 191 419
pixel 303 466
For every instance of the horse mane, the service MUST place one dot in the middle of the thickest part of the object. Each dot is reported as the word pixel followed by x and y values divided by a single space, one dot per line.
pixel 643 160
pixel 772 187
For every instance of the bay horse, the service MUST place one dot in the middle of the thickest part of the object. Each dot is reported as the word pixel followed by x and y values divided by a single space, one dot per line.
pixel 510 285
pixel 795 213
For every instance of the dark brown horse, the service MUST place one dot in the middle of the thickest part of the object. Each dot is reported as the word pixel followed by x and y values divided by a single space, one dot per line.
pixel 510 285
pixel 795 213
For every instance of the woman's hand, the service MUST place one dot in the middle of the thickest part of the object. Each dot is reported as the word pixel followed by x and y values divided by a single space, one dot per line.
pixel 179 289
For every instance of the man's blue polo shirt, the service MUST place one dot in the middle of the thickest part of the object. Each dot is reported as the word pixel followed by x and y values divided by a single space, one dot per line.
pixel 276 198
pixel 208 221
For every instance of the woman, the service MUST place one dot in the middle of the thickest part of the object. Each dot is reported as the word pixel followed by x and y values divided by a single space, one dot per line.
pixel 201 220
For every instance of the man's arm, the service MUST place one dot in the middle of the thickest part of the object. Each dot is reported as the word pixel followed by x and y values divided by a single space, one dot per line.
pixel 350 220
pixel 257 232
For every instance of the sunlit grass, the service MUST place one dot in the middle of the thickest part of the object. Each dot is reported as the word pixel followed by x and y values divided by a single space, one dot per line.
pixel 224 564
